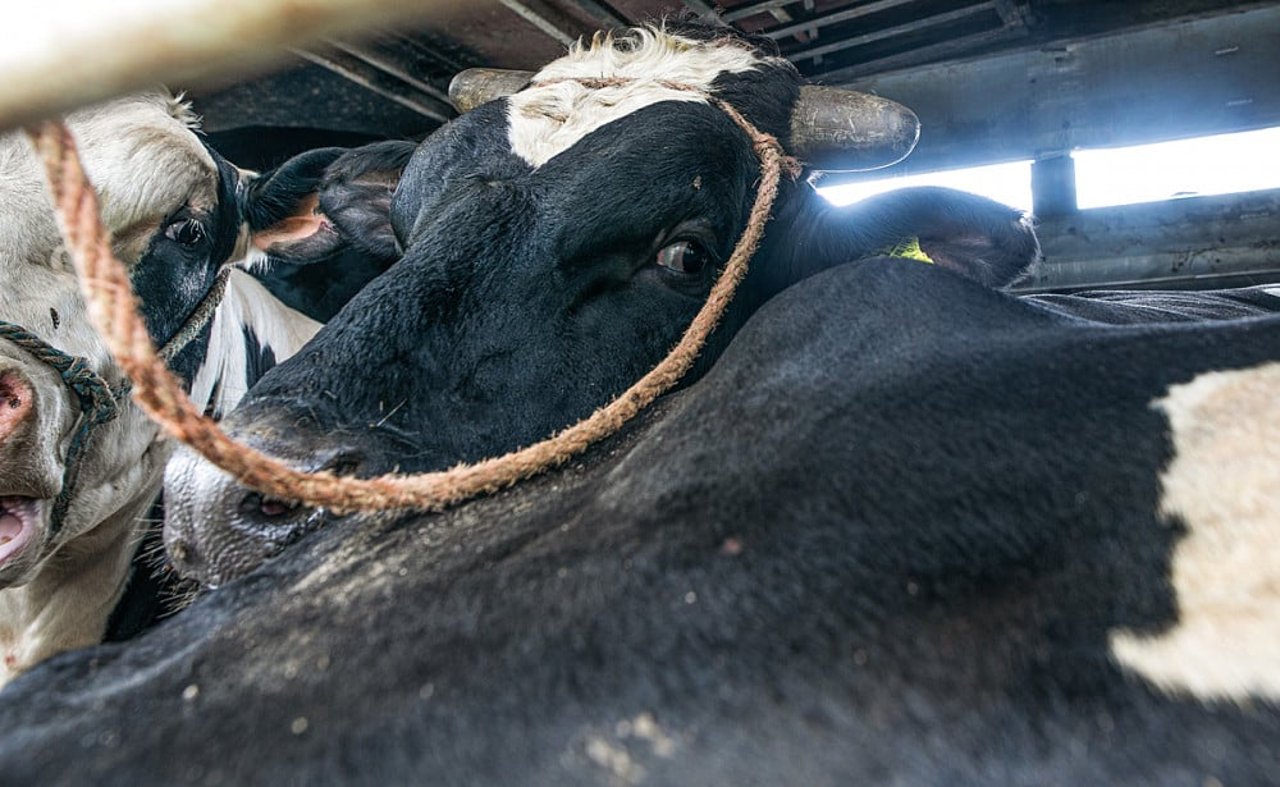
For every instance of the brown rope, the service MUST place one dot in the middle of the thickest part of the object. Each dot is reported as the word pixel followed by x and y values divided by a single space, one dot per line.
pixel 201 316
pixel 113 309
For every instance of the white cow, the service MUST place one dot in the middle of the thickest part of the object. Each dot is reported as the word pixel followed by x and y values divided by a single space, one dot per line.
pixel 79 464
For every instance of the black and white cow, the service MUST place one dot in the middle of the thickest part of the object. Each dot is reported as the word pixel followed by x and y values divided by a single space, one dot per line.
pixel 558 242
pixel 906 530
pixel 178 213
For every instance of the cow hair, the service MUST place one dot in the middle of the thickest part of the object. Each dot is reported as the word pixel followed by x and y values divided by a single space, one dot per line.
pixel 666 65
pixel 180 108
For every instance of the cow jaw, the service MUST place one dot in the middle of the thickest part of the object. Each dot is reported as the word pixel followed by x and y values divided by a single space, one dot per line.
pixel 116 467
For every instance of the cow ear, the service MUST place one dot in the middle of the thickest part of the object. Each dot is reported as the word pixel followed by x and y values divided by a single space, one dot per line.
pixel 322 201
pixel 356 195
pixel 980 238
pixel 993 244
pixel 283 209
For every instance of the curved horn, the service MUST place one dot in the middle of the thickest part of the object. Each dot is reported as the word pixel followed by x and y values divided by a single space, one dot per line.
pixel 835 130
pixel 476 86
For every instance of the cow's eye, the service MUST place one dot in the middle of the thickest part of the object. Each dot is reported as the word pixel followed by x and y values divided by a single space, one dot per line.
pixel 188 232
pixel 686 257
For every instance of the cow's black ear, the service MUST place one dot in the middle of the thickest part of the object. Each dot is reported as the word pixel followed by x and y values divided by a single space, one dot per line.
pixel 283 208
pixel 985 240
pixel 322 201
pixel 356 195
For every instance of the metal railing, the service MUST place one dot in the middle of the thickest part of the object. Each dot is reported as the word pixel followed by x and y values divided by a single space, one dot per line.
pixel 56 55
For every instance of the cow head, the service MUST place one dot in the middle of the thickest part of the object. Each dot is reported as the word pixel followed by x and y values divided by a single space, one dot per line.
pixel 177 213
pixel 557 243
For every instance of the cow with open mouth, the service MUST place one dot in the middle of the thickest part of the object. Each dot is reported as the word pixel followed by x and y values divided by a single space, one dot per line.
pixel 558 241
pixel 79 465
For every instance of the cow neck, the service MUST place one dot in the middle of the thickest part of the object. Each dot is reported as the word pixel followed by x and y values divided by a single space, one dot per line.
pixel 113 308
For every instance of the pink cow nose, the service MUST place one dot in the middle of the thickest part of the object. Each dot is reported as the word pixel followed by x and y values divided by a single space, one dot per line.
pixel 17 402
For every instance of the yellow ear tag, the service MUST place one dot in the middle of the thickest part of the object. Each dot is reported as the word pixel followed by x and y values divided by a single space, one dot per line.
pixel 909 249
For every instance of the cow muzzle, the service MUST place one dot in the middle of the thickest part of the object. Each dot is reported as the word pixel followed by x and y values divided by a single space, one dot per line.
pixel 27 474
pixel 216 529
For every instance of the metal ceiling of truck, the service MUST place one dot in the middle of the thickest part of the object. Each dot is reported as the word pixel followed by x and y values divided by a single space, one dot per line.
pixel 394 84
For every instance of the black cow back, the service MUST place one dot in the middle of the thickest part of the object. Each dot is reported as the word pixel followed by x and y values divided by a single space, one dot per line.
pixel 884 540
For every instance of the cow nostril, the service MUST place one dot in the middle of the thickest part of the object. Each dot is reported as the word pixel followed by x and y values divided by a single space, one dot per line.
pixel 274 508
pixel 258 504
pixel 16 402
pixel 13 392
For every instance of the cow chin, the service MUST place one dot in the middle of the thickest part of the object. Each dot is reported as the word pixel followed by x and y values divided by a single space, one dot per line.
pixel 107 491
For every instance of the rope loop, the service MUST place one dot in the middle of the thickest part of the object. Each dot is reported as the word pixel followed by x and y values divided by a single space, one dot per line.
pixel 112 308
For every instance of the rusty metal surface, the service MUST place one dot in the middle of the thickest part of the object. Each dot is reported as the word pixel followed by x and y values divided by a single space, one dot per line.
pixel 1203 242
pixel 1196 77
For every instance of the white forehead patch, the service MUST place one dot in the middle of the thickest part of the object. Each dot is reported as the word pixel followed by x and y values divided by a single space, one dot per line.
pixel 1222 483
pixel 544 121
pixel 143 158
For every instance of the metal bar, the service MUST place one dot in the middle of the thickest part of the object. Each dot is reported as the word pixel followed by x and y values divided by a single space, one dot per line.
pixel 448 62
pixel 351 69
pixel 544 19
pixel 988 107
pixel 1011 13
pixel 835 17
pixel 1177 242
pixel 391 69
pixel 922 54
pixel 891 32
pixel 1053 186
pixel 700 7
pixel 751 9
pixel 605 16
pixel 63 53
pixel 1112 275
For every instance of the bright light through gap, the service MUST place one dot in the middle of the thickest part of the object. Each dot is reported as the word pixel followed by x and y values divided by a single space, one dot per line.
pixel 1221 164
pixel 1008 183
